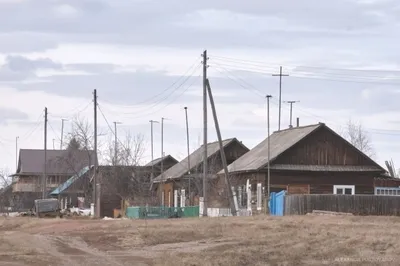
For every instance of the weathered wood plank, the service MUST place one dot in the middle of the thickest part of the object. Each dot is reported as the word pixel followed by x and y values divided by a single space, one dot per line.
pixel 355 204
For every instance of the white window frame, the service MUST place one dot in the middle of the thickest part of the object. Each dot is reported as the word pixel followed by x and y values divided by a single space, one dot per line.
pixel 352 187
pixel 385 191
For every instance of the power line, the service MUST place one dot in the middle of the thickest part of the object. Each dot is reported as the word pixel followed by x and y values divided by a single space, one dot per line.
pixel 142 108
pixel 329 76
pixel 265 65
pixel 166 105
pixel 259 94
pixel 78 110
pixel 193 67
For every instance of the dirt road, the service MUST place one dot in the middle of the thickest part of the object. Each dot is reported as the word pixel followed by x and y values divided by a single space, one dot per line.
pixel 303 240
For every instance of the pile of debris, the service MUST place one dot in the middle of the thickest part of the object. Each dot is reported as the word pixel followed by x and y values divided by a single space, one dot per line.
pixel 76 212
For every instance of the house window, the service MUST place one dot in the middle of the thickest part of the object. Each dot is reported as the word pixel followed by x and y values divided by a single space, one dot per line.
pixel 343 190
pixel 387 191
pixel 162 198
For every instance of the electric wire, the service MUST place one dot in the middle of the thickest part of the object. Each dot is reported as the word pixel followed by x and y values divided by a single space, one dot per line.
pixel 193 67
pixel 259 93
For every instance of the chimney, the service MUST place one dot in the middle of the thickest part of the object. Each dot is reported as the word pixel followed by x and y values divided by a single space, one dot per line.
pixel 298 121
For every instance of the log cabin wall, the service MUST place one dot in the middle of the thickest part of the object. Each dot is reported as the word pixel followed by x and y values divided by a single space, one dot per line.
pixel 323 147
pixel 319 182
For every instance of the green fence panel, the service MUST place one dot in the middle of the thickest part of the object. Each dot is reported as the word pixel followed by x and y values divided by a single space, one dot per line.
pixel 161 212
pixel 133 212
pixel 191 211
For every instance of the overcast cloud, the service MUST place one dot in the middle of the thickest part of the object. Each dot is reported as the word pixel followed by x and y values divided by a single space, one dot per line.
pixel 143 57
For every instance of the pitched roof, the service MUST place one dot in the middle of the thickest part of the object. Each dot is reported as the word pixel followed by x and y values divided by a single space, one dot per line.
pixel 64 162
pixel 158 160
pixel 196 158
pixel 280 141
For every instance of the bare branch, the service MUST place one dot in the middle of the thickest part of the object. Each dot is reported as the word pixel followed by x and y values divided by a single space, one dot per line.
pixel 5 179
pixel 130 150
pixel 358 136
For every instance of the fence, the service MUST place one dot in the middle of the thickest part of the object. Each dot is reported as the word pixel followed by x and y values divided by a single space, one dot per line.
pixel 225 212
pixel 356 204
pixel 142 212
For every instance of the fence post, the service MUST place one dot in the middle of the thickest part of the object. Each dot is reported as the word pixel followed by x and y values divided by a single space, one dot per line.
pixel 201 206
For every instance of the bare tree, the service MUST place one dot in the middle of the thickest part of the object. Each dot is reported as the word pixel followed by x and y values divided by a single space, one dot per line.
pixel 358 136
pixel 130 150
pixel 5 179
pixel 80 143
pixel 5 190
pixel 81 135
pixel 124 177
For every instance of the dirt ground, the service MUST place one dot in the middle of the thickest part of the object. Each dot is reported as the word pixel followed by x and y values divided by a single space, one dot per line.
pixel 262 240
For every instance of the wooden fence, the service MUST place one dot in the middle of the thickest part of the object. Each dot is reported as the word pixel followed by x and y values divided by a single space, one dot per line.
pixel 356 204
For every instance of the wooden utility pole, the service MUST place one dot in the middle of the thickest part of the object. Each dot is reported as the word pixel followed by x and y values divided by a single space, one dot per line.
pixel 116 143
pixel 16 153
pixel 96 190
pixel 222 152
pixel 152 149
pixel 291 111
pixel 62 132
pixel 267 184
pixel 162 149
pixel 45 156
pixel 205 143
pixel 280 93
pixel 188 154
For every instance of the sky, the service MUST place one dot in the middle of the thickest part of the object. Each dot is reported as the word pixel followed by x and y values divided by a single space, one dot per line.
pixel 144 59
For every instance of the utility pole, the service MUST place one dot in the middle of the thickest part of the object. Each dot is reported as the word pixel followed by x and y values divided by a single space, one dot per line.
pixel 45 155
pixel 162 149
pixel 268 157
pixel 152 149
pixel 96 190
pixel 16 153
pixel 222 151
pixel 291 109
pixel 116 143
pixel 188 153
pixel 280 93
pixel 62 132
pixel 205 143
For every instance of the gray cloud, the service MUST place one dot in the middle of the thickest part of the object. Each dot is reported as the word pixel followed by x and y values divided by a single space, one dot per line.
pixel 319 89
pixel 172 23
pixel 7 114
pixel 18 68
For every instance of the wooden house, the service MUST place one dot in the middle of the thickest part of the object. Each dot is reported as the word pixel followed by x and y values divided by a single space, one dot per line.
pixel 172 182
pixel 305 160
pixel 118 183
pixel 61 165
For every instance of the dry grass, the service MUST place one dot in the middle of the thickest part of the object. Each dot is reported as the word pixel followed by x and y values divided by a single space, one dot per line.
pixel 296 240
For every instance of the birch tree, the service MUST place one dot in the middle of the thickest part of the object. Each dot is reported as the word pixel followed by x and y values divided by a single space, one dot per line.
pixel 356 134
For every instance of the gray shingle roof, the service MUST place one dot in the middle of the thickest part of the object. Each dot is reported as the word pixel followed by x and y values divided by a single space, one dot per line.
pixel 58 161
pixel 280 141
pixel 196 158
pixel 158 160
